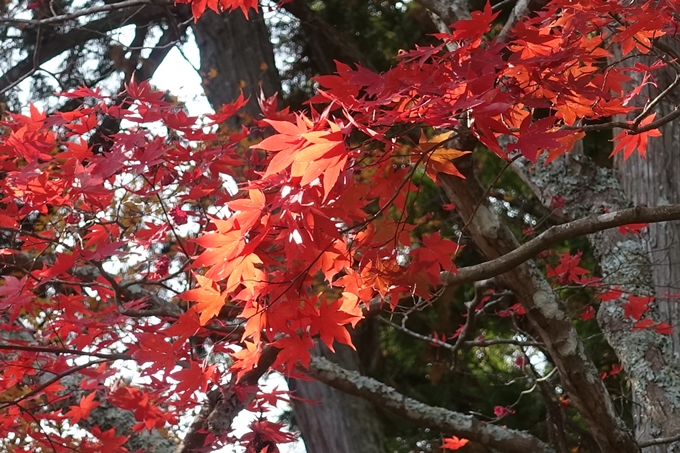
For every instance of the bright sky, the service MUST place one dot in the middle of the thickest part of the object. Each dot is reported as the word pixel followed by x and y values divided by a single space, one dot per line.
pixel 178 76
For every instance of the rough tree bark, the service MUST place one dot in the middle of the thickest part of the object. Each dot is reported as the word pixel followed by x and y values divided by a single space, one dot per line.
pixel 655 181
pixel 548 314
pixel 236 56
pixel 648 358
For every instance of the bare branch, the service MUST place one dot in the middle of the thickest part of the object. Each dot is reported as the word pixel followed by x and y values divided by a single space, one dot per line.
pixel 520 10
pixel 15 347
pixel 223 405
pixel 499 341
pixel 448 11
pixel 95 29
pixel 84 12
pixel 556 234
pixel 466 426
pixel 434 341
pixel 659 441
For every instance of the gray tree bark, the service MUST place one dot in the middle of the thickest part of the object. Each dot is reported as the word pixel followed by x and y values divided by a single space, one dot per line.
pixel 335 421
pixel 655 181
pixel 236 56
pixel 648 358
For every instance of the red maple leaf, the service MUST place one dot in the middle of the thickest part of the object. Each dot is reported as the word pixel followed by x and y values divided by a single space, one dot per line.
pixel 294 350
pixel 454 443
pixel 110 443
pixel 588 314
pixel 636 306
pixel 629 142
pixel 82 410
pixel 663 328
pixel 477 26
pixel 330 323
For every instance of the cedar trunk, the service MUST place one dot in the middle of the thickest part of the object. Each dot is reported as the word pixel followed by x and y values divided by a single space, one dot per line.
pixel 333 421
pixel 655 181
pixel 236 56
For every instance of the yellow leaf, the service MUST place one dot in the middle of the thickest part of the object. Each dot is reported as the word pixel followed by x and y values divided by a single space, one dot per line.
pixel 444 155
pixel 439 161
pixel 436 140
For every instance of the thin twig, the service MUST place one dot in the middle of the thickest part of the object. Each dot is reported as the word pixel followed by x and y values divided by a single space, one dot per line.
pixel 659 441
pixel 84 12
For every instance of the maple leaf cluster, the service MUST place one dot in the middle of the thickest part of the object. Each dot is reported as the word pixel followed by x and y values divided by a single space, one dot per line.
pixel 551 61
pixel 140 252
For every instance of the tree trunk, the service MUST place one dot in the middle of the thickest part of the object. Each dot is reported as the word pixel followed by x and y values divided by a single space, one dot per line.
pixel 647 357
pixel 333 421
pixel 655 181
pixel 236 56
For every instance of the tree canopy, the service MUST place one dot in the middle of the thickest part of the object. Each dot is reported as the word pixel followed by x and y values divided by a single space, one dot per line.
pixel 160 264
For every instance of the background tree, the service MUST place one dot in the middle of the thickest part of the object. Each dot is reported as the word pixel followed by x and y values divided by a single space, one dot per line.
pixel 475 211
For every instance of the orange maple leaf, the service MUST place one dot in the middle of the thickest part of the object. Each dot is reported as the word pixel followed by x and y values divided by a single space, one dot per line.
pixel 246 359
pixel 255 315
pixel 454 443
pixel 311 154
pixel 208 297
pixel 440 162
pixel 572 108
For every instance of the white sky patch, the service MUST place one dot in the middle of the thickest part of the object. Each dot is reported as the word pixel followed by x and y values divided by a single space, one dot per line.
pixel 177 74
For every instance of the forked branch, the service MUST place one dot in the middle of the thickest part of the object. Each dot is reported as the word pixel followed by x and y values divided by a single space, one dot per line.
pixel 556 234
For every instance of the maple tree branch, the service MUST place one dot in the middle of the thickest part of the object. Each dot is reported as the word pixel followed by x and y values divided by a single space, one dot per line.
pixel 493 436
pixel 162 309
pixel 55 379
pixel 494 239
pixel 471 314
pixel 659 441
pixel 429 339
pixel 558 233
pixel 112 356
pixel 101 140
pixel 631 127
pixel 472 344
pixel 654 102
pixel 85 12
pixel 223 405
pixel 499 341
pixel 94 29
pixel 520 10
pixel 533 207
pixel 466 330
pixel 130 290
pixel 449 12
